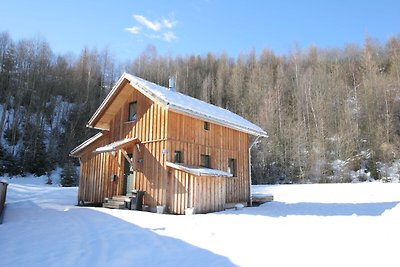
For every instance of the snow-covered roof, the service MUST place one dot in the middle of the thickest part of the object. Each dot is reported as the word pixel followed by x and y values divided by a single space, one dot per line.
pixel 116 145
pixel 197 170
pixel 181 103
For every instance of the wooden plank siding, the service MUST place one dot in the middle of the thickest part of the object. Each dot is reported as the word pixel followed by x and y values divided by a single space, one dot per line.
pixel 161 132
pixel 188 135
pixel 205 193
pixel 149 172
pixel 95 182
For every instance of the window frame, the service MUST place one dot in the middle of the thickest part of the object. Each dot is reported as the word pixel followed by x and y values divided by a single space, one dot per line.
pixel 206 126
pixel 232 169
pixel 178 156
pixel 205 161
pixel 132 111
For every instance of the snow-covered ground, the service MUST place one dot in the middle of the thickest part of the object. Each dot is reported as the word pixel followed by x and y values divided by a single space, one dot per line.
pixel 306 225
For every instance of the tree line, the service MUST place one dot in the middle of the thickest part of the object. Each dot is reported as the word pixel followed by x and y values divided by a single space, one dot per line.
pixel 317 105
pixel 46 100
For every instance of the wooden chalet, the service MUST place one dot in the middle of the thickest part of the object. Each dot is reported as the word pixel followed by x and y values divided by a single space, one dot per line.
pixel 183 152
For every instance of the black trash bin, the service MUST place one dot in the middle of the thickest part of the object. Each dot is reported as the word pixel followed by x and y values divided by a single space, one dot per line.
pixel 137 200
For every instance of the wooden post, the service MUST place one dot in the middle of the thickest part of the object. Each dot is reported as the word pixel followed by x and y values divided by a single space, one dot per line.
pixel 251 146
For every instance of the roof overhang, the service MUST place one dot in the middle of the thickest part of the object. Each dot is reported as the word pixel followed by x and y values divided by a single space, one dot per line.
pixel 189 112
pixel 76 152
pixel 197 170
pixel 120 144
pixel 105 112
pixel 192 114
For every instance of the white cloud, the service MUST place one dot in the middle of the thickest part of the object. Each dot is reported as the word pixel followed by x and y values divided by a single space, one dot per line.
pixel 160 29
pixel 133 30
pixel 169 23
pixel 155 26
pixel 169 36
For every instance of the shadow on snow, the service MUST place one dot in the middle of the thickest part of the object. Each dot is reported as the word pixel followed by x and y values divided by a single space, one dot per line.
pixel 79 236
pixel 282 209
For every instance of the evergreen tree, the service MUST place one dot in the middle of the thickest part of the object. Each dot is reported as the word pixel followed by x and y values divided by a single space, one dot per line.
pixel 69 177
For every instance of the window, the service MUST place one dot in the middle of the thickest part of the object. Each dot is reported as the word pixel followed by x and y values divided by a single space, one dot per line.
pixel 132 111
pixel 206 125
pixel 178 156
pixel 232 167
pixel 205 161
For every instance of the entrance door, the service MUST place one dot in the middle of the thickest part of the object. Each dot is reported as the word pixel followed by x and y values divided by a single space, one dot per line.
pixel 128 177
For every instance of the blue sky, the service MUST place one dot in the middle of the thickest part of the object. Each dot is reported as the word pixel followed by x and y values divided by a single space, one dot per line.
pixel 127 27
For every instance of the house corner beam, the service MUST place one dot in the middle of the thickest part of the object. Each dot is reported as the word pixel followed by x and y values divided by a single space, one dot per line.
pixel 250 182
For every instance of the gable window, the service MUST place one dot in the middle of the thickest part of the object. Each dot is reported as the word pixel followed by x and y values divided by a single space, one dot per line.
pixel 132 109
pixel 232 167
pixel 178 156
pixel 205 161
pixel 206 126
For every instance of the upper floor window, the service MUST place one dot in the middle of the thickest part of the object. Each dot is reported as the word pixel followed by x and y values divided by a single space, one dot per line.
pixel 206 125
pixel 205 161
pixel 132 109
pixel 232 167
pixel 178 156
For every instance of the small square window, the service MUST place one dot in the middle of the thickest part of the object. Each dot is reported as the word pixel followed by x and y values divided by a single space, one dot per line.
pixel 178 157
pixel 232 167
pixel 206 126
pixel 132 111
pixel 205 161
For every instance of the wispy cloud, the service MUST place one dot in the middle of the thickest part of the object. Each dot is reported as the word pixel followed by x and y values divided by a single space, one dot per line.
pixel 154 29
pixel 169 36
pixel 152 25
pixel 133 30
pixel 169 23
pixel 166 36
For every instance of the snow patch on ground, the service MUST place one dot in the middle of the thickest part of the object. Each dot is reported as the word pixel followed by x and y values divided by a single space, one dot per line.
pixel 306 225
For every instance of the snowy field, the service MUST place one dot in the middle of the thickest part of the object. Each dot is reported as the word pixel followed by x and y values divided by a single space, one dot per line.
pixel 306 225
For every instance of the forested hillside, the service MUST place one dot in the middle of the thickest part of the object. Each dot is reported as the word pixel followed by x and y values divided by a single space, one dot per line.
pixel 319 106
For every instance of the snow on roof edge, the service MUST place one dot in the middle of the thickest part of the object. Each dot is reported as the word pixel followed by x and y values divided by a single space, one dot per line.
pixel 222 116
pixel 220 122
pixel 197 170
pixel 87 142
pixel 114 145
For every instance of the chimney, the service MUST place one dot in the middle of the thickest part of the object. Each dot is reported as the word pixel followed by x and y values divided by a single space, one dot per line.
pixel 171 84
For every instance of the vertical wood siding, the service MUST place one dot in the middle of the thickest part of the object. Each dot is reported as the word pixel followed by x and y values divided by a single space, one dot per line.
pixel 187 135
pixel 149 172
pixel 204 193
pixel 161 132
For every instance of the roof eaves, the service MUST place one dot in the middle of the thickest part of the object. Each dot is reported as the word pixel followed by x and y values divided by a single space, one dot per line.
pixel 96 116
pixel 144 89
pixel 182 110
pixel 147 92
pixel 75 152
pixel 114 146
